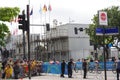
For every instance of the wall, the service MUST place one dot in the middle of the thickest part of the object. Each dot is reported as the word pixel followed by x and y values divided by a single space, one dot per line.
pixel 79 44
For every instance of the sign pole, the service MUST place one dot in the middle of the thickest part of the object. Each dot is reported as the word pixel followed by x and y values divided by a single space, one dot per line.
pixel 104 53
pixel 103 22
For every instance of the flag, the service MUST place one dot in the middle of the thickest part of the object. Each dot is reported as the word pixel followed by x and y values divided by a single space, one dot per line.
pixel 49 8
pixel 31 12
pixel 40 10
pixel 44 8
pixel 15 32
pixel 14 20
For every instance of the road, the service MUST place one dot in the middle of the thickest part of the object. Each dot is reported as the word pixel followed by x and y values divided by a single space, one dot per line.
pixel 76 76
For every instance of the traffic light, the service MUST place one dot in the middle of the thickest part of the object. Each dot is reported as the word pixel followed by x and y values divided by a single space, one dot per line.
pixel 21 21
pixel 47 27
pixel 76 31
pixel 81 29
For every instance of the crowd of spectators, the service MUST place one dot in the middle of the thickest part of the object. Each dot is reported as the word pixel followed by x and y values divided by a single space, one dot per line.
pixel 10 69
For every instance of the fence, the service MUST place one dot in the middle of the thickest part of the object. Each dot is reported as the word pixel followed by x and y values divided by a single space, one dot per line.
pixel 55 68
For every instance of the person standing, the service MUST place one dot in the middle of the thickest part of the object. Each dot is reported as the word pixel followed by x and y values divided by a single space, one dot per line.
pixel 70 63
pixel 84 68
pixel 5 53
pixel 8 71
pixel 118 68
pixel 0 69
pixel 16 70
pixel 63 64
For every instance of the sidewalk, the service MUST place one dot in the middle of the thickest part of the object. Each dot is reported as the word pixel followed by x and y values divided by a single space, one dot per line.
pixel 54 77
pixel 76 76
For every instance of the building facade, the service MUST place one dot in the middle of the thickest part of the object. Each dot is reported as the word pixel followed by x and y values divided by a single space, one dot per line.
pixel 65 43
pixel 60 42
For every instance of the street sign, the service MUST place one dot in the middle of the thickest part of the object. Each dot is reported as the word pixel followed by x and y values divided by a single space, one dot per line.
pixel 103 18
pixel 107 31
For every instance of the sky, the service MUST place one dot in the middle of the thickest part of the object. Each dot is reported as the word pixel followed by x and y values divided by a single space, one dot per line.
pixel 64 11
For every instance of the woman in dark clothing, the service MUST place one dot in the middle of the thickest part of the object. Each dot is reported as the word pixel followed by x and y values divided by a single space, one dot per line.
pixel 63 68
pixel 70 63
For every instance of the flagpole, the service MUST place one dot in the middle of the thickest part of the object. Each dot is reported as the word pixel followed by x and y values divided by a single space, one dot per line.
pixel 45 18
pixel 32 20
pixel 33 26
pixel 29 2
pixel 49 16
pixel 40 14
pixel 40 18
pixel 49 11
pixel 32 14
pixel 45 9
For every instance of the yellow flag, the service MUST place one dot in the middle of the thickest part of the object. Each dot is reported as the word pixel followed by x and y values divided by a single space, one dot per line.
pixel 44 8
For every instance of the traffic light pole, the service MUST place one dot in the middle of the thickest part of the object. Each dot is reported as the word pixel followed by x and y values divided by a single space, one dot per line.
pixel 24 57
pixel 24 25
pixel 28 36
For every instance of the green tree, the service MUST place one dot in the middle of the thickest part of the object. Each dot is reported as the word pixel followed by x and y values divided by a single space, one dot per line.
pixel 113 14
pixel 3 32
pixel 6 15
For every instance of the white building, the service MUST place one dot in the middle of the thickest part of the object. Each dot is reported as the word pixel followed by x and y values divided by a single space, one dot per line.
pixel 59 43
pixel 63 43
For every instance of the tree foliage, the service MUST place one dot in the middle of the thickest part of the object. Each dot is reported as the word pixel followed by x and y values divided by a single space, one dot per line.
pixel 3 32
pixel 113 14
pixel 6 14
